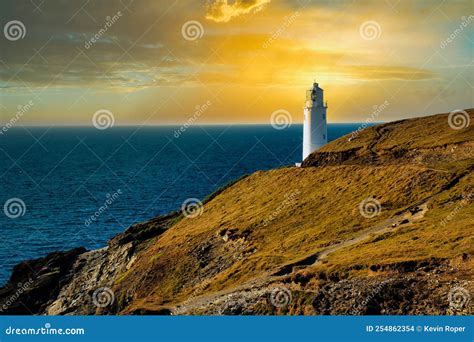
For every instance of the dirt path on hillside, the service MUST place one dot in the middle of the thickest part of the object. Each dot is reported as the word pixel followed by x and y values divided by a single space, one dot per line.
pixel 255 286
pixel 404 218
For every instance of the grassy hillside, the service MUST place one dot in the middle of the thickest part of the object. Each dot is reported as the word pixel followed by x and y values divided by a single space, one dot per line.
pixel 249 232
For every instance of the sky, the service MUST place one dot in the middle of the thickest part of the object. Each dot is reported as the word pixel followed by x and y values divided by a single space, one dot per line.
pixel 151 62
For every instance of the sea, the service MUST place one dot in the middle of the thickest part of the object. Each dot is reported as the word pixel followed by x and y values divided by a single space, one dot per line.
pixel 67 187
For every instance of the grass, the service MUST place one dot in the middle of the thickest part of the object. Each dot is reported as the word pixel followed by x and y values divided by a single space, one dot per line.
pixel 283 215
pixel 424 132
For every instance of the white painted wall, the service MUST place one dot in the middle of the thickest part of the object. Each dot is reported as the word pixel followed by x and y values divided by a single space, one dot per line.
pixel 315 133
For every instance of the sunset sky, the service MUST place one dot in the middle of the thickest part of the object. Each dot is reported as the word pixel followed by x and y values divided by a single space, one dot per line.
pixel 158 60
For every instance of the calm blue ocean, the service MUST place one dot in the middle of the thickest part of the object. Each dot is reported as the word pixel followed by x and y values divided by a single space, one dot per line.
pixel 64 175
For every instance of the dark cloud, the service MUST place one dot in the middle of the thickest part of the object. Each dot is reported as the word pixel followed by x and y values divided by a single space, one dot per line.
pixel 86 42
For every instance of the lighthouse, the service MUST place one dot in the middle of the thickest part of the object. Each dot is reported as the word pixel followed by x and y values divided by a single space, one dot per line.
pixel 315 133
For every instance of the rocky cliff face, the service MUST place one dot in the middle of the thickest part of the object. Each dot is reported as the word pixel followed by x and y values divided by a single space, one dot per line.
pixel 35 282
pixel 378 222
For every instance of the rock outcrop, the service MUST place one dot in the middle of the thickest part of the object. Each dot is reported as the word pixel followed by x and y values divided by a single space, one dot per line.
pixel 35 282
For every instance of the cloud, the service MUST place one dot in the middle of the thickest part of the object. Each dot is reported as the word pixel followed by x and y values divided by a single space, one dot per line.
pixel 145 55
pixel 387 72
pixel 222 11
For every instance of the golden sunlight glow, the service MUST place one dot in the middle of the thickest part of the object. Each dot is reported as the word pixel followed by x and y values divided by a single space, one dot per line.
pixel 249 58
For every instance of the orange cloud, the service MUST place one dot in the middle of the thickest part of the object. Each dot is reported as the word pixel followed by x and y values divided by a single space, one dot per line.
pixel 222 11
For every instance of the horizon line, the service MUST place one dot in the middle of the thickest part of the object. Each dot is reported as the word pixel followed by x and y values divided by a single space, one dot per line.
pixel 178 125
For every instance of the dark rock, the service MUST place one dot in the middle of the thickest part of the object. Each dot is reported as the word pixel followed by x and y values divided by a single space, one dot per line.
pixel 158 312
pixel 146 230
pixel 35 283
pixel 332 158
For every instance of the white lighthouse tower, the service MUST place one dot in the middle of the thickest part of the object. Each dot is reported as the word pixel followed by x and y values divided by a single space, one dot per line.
pixel 315 133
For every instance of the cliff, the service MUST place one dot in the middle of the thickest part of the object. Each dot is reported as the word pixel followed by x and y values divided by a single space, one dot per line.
pixel 377 222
